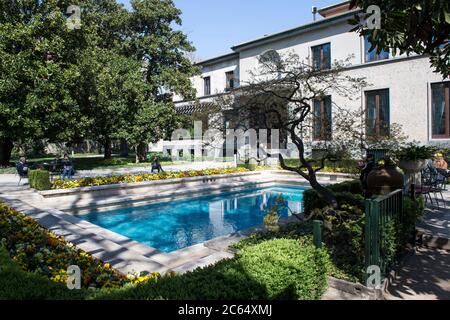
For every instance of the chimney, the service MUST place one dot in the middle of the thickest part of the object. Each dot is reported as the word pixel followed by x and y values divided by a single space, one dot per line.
pixel 314 12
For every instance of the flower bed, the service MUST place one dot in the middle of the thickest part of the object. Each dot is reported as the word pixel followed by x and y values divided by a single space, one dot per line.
pixel 98 181
pixel 37 250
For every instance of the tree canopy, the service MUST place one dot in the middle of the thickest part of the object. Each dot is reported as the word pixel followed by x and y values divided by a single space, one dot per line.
pixel 113 77
pixel 418 26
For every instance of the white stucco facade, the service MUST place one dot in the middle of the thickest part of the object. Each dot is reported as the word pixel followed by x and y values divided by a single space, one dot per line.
pixel 408 79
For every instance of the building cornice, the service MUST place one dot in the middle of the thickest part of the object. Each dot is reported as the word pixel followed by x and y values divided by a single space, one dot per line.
pixel 295 31
pixel 215 60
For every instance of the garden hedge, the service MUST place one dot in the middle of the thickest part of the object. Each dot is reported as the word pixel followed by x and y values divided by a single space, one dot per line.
pixel 348 192
pixel 274 269
pixel 39 179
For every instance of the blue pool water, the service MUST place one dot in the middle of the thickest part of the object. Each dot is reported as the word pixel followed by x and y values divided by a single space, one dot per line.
pixel 183 223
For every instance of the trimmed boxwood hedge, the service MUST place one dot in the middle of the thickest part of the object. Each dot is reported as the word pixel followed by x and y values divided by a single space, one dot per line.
pixel 274 269
pixel 348 192
pixel 39 179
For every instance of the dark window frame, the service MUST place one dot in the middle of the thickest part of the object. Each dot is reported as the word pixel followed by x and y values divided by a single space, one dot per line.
pixel 323 65
pixel 378 130
pixel 326 121
pixel 229 81
pixel 207 86
pixel 377 55
pixel 447 110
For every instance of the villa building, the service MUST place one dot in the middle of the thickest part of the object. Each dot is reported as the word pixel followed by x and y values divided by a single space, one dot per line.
pixel 401 89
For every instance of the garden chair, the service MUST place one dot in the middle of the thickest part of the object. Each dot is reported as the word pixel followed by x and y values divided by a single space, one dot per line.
pixel 425 187
pixel 22 175
pixel 439 183
pixel 443 175
pixel 431 183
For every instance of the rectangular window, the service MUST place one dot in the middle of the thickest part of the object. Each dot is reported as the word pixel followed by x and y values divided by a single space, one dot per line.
pixel 440 110
pixel 377 113
pixel 321 56
pixel 207 86
pixel 373 55
pixel 230 80
pixel 322 127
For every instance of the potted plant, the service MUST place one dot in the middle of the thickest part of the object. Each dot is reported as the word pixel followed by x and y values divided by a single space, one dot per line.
pixel 384 178
pixel 413 158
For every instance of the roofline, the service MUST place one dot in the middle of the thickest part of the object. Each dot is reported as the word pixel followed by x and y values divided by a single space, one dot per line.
pixel 290 32
pixel 224 57
pixel 334 6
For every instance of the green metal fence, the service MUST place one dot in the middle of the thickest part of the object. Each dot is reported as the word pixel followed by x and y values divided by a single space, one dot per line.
pixel 379 213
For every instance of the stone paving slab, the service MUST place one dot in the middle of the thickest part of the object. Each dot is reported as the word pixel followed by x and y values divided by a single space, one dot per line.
pixel 203 262
pixel 424 276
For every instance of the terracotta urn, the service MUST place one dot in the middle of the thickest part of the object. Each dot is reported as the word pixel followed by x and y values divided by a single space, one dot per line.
pixel 384 180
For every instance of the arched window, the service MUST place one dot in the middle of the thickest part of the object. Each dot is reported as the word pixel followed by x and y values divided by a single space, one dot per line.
pixel 272 61
pixel 270 56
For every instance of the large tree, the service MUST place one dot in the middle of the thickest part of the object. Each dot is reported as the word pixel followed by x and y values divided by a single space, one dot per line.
pixel 417 26
pixel 138 47
pixel 113 78
pixel 281 94
pixel 38 74
pixel 166 66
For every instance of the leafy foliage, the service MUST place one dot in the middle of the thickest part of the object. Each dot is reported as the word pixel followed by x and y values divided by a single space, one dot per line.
pixel 113 78
pixel 418 26
pixel 274 269
pixel 39 179
pixel 38 250
pixel 349 192
pixel 415 152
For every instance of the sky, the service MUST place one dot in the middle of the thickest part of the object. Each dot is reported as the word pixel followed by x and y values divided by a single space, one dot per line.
pixel 214 26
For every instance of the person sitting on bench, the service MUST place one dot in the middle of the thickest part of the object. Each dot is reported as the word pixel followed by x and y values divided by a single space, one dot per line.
pixel 156 165
pixel 22 168
pixel 67 168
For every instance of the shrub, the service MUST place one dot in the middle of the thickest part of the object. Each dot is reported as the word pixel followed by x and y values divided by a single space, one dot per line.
pixel 346 242
pixel 160 155
pixel 39 179
pixel 349 192
pixel 287 270
pixel 412 213
pixel 274 269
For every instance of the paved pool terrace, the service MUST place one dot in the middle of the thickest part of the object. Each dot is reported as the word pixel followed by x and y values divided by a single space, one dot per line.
pixel 58 211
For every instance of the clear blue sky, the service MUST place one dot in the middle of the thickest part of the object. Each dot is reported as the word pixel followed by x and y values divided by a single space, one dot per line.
pixel 213 26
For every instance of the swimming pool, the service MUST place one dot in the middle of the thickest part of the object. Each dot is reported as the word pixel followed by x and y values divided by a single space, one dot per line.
pixel 182 223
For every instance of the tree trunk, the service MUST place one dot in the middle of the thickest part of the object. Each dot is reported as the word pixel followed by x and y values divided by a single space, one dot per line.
pixel 107 148
pixel 6 146
pixel 141 152
pixel 123 148
pixel 325 193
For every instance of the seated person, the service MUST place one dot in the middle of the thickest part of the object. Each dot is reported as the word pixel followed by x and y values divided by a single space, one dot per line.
pixel 156 165
pixel 441 165
pixel 67 167
pixel 22 167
